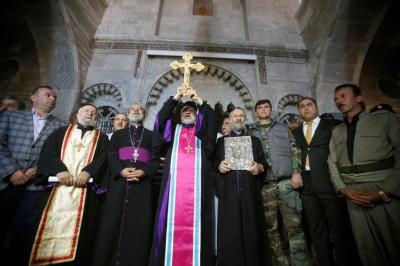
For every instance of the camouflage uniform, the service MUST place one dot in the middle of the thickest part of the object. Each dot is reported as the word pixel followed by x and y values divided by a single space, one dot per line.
pixel 278 195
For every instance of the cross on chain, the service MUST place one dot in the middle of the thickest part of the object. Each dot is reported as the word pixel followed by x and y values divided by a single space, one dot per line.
pixel 188 148
pixel 135 155
pixel 187 66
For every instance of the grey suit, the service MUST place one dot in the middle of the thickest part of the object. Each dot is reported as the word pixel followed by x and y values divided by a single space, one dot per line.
pixel 18 149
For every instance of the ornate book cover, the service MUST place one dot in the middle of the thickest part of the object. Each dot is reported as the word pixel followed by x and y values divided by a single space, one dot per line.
pixel 239 152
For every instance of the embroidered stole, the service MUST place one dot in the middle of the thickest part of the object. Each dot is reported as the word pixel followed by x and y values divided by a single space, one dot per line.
pixel 182 247
pixel 57 237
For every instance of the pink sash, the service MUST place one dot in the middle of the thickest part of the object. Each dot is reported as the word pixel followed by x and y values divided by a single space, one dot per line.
pixel 183 222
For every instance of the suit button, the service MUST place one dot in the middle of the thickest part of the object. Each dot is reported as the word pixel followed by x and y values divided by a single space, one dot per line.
pixel 308 149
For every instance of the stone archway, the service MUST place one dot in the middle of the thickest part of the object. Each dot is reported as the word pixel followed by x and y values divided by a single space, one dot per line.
pixel 214 84
pixel 107 98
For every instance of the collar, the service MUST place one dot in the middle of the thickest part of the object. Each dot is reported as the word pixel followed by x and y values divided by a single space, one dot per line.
pixel 187 125
pixel 34 112
pixel 315 121
pixel 135 127
pixel 235 133
pixel 354 119
pixel 84 128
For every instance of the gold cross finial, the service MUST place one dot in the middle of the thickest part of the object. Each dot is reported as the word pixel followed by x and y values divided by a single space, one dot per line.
pixel 187 66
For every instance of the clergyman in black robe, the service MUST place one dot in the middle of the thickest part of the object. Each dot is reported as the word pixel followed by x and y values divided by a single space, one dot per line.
pixel 76 155
pixel 126 224
pixel 194 134
pixel 241 234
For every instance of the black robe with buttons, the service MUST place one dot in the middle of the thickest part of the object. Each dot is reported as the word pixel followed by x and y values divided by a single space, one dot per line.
pixel 242 236
pixel 125 231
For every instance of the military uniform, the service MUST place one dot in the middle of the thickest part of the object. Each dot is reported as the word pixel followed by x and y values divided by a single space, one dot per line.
pixel 365 156
pixel 284 158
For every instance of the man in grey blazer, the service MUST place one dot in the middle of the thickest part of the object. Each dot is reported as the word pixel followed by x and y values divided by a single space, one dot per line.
pixel 22 134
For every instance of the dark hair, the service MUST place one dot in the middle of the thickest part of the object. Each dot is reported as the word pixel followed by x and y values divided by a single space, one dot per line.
pixel 36 89
pixel 188 103
pixel 20 104
pixel 308 98
pixel 356 90
pixel 263 101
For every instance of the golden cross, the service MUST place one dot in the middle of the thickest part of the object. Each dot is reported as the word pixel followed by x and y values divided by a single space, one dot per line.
pixel 187 66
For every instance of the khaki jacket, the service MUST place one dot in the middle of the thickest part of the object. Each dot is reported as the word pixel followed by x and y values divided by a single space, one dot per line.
pixel 377 137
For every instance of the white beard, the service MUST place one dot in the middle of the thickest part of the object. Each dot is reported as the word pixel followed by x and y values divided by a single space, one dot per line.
pixel 237 126
pixel 188 120
pixel 136 118
pixel 88 122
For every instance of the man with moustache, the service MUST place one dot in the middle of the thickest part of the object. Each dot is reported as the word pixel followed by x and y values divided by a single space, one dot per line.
pixel 183 229
pixel 325 211
pixel 364 164
pixel 241 234
pixel 120 122
pixel 76 156
pixel 125 231
pixel 22 134
pixel 280 185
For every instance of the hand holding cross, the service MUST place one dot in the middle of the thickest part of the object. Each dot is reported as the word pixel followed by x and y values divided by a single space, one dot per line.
pixel 185 89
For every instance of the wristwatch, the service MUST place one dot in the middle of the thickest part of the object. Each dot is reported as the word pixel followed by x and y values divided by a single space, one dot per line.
pixel 384 196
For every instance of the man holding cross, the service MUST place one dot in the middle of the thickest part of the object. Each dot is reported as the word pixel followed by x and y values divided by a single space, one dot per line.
pixel 183 229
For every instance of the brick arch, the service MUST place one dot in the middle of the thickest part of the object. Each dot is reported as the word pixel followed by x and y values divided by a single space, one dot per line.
pixel 98 90
pixel 210 70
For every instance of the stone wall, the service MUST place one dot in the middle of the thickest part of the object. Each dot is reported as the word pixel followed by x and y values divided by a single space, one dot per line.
pixel 337 35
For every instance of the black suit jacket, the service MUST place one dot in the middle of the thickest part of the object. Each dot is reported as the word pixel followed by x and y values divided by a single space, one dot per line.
pixel 318 150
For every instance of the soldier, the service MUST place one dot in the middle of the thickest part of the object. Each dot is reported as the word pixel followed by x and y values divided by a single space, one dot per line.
pixel 364 164
pixel 279 191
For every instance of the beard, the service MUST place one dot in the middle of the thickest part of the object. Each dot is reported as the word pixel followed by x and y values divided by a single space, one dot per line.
pixel 237 126
pixel 136 118
pixel 188 120
pixel 88 122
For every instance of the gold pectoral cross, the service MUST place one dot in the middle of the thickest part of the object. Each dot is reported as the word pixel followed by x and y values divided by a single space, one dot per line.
pixel 79 146
pixel 187 66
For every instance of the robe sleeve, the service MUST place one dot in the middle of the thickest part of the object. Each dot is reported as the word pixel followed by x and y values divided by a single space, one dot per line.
pixel 98 166
pixel 206 128
pixel 50 156
pixel 218 177
pixel 163 127
pixel 151 167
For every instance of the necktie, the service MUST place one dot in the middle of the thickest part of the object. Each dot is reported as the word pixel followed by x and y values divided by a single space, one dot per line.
pixel 308 138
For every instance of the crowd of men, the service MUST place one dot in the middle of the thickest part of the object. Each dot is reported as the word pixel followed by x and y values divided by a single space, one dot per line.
pixel 325 193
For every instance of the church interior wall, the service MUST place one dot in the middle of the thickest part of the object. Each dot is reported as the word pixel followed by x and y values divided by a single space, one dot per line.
pixel 73 45
pixel 338 46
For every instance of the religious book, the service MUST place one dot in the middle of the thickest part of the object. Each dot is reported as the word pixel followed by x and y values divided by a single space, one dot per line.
pixel 239 152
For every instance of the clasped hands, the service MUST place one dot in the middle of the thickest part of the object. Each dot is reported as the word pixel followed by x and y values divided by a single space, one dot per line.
pixel 66 178
pixel 132 174
pixel 188 92
pixel 20 177
pixel 365 199
pixel 255 168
